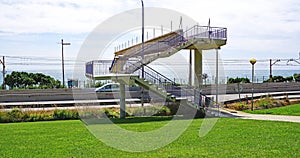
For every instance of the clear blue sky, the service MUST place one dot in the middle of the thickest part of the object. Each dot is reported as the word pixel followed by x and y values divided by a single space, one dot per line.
pixel 261 29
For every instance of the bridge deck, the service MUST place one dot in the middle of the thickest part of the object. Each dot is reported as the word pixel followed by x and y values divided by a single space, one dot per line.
pixel 197 37
pixel 133 48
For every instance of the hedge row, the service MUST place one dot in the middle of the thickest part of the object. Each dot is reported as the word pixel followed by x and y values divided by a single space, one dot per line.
pixel 19 115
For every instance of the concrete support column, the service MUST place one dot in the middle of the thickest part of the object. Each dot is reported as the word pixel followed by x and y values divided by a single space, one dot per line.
pixel 190 69
pixel 122 101
pixel 198 68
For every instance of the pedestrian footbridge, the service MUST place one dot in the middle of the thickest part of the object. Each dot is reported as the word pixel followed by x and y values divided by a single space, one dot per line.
pixel 131 64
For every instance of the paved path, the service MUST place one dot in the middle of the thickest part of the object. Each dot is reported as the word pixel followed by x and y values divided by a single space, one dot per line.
pixel 243 115
pixel 228 97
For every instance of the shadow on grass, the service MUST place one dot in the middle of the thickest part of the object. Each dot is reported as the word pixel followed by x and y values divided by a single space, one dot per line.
pixel 130 120
pixel 127 120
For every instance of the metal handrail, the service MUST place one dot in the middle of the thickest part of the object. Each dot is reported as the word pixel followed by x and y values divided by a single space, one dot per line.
pixel 155 75
pixel 163 76
pixel 193 32
pixel 112 64
pixel 148 46
pixel 192 95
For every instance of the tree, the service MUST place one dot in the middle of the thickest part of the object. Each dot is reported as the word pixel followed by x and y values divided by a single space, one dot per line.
pixel 289 79
pixel 204 76
pixel 26 80
pixel 297 77
pixel 238 80
pixel 280 79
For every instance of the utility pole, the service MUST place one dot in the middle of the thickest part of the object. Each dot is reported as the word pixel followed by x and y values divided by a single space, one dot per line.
pixel 143 71
pixel 270 79
pixel 293 60
pixel 3 71
pixel 271 64
pixel 62 61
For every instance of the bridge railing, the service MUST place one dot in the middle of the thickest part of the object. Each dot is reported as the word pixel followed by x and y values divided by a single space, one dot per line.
pixel 171 42
pixel 206 32
pixel 158 46
pixel 193 95
pixel 154 77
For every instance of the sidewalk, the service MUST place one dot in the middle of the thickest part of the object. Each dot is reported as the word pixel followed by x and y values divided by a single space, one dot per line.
pixel 243 115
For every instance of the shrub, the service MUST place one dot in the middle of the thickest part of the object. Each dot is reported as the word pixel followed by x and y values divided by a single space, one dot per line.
pixel 89 113
pixel 65 114
pixel 238 106
pixel 18 115
pixel 266 102
pixel 111 113
pixel 164 111
pixel 150 111
pixel 4 118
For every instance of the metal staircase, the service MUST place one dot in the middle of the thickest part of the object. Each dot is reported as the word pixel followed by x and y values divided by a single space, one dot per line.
pixel 155 82
pixel 161 85
pixel 165 46
pixel 129 61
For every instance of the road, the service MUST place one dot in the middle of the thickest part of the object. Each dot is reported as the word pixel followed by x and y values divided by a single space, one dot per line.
pixel 68 102
pixel 70 96
pixel 39 95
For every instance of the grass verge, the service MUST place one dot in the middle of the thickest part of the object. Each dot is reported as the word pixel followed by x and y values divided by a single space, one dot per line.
pixel 228 138
pixel 293 110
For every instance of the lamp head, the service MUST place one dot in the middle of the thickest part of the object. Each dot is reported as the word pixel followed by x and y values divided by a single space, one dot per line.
pixel 252 61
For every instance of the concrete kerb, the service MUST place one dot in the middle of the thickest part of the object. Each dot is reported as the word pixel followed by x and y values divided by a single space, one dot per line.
pixel 243 115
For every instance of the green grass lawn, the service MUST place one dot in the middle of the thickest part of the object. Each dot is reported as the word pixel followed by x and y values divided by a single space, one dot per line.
pixel 228 138
pixel 293 110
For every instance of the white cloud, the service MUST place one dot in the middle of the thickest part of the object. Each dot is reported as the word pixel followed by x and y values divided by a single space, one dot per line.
pixel 253 25
pixel 55 16
pixel 69 16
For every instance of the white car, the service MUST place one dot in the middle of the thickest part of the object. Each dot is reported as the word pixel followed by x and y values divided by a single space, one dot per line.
pixel 134 92
pixel 109 87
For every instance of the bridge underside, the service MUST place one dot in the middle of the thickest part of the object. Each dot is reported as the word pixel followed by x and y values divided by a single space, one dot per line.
pixel 206 44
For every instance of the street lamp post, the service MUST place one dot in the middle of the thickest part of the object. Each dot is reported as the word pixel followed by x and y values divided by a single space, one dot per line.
pixel 62 60
pixel 252 62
